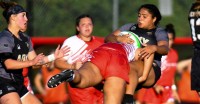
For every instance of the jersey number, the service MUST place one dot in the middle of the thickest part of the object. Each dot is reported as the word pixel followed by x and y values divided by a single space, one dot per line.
pixel 193 24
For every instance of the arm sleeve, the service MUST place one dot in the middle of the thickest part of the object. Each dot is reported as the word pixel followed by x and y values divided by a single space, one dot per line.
pixel 6 45
pixel 126 27
pixel 161 35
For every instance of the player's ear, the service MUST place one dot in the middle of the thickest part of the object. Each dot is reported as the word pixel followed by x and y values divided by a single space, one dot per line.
pixel 154 19
pixel 77 28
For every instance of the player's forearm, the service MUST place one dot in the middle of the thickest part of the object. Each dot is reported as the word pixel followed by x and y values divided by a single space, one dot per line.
pixel 147 67
pixel 110 38
pixel 15 65
pixel 162 48
pixel 62 64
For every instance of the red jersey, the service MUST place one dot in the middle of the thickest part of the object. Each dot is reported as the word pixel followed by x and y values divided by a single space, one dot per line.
pixel 79 51
pixel 168 68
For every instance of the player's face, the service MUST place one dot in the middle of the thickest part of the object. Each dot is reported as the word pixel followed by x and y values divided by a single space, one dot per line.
pixel 21 21
pixel 85 27
pixel 145 19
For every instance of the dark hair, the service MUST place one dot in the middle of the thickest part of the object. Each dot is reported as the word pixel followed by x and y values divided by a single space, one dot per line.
pixel 196 5
pixel 10 8
pixel 79 18
pixel 152 10
pixel 169 28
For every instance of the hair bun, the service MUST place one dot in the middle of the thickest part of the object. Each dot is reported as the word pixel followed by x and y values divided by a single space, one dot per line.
pixel 7 5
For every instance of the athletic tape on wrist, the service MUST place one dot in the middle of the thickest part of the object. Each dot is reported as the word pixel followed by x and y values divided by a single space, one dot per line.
pixel 51 57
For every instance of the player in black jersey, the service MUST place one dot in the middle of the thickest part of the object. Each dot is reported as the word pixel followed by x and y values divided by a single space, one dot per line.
pixel 194 21
pixel 156 41
pixel 16 52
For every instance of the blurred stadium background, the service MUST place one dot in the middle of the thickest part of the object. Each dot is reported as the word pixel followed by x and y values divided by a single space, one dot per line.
pixel 52 21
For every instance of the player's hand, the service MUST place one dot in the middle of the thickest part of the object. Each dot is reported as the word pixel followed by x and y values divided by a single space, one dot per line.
pixel 61 52
pixel 142 79
pixel 158 89
pixel 38 60
pixel 125 39
pixel 147 51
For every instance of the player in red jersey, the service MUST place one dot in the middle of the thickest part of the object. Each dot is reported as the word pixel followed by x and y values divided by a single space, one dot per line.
pixel 107 63
pixel 81 45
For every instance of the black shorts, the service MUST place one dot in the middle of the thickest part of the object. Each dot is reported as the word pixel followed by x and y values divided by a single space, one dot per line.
pixel 8 86
pixel 195 71
pixel 157 72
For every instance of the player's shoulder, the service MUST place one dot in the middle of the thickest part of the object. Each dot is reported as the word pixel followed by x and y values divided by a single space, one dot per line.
pixel 129 24
pixel 5 35
pixel 173 51
pixel 72 38
pixel 160 30
pixel 73 41
pixel 98 39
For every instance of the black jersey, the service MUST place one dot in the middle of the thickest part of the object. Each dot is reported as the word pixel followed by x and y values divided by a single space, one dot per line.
pixel 150 37
pixel 194 21
pixel 18 50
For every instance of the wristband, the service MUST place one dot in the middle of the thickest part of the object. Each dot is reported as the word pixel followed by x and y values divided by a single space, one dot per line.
pixel 51 57
pixel 174 87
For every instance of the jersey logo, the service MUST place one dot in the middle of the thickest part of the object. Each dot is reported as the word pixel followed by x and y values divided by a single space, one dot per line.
pixel 10 88
pixel 149 33
pixel 22 57
pixel 143 40
pixel 133 28
pixel 18 47
pixel 5 45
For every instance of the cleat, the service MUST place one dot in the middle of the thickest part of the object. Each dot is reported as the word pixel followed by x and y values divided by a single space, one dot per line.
pixel 64 76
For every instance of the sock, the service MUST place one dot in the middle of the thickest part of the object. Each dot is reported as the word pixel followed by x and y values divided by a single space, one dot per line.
pixel 128 99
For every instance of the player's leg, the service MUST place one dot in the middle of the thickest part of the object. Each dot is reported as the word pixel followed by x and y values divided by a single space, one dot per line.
pixel 114 89
pixel 8 92
pixel 136 70
pixel 10 98
pixel 29 98
pixel 88 75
